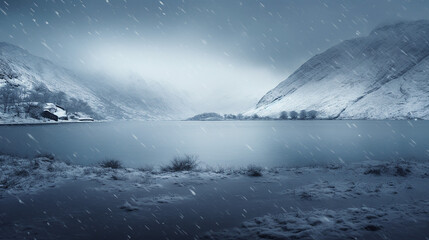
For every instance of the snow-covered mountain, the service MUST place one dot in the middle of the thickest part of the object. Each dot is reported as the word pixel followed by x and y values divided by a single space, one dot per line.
pixel 384 75
pixel 32 75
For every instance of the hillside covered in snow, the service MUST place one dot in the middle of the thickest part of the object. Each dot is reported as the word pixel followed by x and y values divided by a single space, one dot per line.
pixel 28 82
pixel 384 75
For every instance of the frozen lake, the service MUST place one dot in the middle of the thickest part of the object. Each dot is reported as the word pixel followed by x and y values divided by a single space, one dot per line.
pixel 228 143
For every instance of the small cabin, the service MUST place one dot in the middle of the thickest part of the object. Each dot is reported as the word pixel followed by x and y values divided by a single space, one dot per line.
pixel 54 112
pixel 47 114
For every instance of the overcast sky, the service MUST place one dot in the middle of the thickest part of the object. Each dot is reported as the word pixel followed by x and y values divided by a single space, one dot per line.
pixel 225 54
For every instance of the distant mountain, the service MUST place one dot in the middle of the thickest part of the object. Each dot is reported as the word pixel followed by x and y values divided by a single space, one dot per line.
pixel 207 117
pixel 384 75
pixel 25 78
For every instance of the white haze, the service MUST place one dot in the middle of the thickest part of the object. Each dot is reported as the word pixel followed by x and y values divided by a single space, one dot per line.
pixel 208 80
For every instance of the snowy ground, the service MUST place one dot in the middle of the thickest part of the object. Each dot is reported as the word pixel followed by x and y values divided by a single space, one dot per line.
pixel 43 198
pixel 10 119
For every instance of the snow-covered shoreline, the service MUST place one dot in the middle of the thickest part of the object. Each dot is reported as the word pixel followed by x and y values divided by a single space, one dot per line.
pixel 23 176
pixel 40 122
pixel 336 201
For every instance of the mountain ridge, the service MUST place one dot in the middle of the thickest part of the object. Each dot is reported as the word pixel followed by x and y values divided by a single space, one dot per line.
pixel 29 73
pixel 355 71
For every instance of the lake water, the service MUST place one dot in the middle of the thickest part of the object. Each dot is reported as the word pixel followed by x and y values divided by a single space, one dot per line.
pixel 228 143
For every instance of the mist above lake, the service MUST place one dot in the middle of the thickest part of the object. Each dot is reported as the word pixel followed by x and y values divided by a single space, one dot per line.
pixel 226 143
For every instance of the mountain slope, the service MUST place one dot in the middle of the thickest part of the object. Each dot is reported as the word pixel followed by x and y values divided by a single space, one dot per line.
pixel 29 72
pixel 34 75
pixel 382 76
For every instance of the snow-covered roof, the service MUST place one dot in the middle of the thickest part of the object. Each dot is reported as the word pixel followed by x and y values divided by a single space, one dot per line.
pixel 54 109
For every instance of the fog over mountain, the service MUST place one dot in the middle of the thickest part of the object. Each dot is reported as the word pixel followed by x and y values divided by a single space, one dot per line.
pixel 219 55
pixel 26 80
pixel 214 119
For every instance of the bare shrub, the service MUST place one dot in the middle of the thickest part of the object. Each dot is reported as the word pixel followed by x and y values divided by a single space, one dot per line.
pixel 182 163
pixel 254 171
pixel 111 163
pixel 401 169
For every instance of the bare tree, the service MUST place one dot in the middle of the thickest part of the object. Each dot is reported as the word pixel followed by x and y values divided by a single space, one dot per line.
pixel 293 115
pixel 59 98
pixel 303 115
pixel 283 115
pixel 17 109
pixel 78 105
pixel 255 116
pixel 7 96
pixel 33 110
pixel 40 93
pixel 312 114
